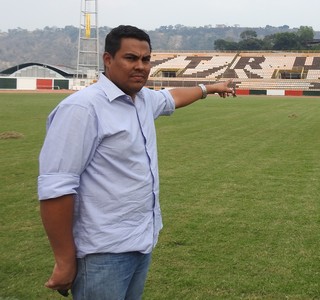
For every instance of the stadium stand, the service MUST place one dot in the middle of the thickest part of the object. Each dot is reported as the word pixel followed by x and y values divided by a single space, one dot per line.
pixel 250 70
pixel 264 71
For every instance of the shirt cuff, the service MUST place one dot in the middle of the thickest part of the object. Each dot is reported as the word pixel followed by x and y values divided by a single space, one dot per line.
pixel 57 185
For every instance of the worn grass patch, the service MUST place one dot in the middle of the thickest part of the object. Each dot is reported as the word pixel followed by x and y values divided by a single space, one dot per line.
pixel 10 135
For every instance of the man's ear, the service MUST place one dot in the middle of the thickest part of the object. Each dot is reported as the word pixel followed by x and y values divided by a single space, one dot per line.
pixel 106 58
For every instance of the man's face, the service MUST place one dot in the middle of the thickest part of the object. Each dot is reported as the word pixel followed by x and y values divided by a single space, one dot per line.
pixel 130 67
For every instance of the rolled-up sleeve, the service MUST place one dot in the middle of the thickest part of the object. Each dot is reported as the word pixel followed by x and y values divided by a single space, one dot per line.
pixel 162 102
pixel 55 185
pixel 169 106
pixel 68 147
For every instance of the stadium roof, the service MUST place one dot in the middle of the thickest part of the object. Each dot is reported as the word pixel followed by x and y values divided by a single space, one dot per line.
pixel 62 70
pixel 315 41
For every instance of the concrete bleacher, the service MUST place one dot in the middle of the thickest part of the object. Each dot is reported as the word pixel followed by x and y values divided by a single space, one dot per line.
pixel 313 74
pixel 177 62
pixel 258 70
pixel 200 65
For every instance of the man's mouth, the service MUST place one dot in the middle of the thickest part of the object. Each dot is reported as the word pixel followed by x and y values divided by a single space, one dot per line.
pixel 138 76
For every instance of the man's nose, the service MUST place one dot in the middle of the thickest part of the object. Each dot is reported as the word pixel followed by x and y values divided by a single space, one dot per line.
pixel 139 64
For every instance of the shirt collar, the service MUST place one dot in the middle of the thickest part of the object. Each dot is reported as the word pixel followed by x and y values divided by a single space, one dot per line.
pixel 111 90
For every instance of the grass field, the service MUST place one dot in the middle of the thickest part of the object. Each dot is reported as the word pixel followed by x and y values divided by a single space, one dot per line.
pixel 239 194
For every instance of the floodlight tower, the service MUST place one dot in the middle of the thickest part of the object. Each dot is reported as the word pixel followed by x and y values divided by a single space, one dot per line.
pixel 88 47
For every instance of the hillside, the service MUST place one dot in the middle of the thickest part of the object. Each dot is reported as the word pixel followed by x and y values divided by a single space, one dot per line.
pixel 58 46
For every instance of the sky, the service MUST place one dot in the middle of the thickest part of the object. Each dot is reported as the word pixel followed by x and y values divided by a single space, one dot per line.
pixel 150 14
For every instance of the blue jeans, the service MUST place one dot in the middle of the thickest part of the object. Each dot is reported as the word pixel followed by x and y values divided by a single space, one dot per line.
pixel 111 276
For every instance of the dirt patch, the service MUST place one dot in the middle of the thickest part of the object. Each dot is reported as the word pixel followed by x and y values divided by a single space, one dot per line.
pixel 10 135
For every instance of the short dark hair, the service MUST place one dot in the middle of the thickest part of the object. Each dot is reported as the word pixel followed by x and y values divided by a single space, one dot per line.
pixel 113 38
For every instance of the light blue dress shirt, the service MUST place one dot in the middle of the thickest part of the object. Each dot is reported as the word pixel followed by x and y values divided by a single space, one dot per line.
pixel 101 147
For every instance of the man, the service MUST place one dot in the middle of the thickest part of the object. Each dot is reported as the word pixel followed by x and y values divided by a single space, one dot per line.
pixel 98 181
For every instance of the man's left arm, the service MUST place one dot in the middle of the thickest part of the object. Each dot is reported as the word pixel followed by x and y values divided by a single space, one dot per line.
pixel 185 96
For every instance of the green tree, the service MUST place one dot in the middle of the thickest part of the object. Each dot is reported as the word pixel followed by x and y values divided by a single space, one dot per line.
pixel 249 41
pixel 268 42
pixel 221 44
pixel 251 44
pixel 286 41
pixel 248 34
pixel 305 34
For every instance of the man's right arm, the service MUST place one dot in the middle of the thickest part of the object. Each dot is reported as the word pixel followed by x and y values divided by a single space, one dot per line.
pixel 57 218
pixel 184 96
